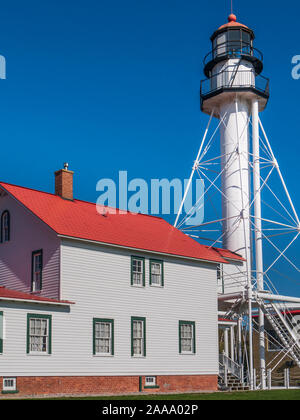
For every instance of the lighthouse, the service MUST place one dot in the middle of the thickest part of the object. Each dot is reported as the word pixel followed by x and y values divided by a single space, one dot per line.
pixel 235 92
pixel 238 172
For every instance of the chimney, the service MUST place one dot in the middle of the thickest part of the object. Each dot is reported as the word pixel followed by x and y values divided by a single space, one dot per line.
pixel 64 183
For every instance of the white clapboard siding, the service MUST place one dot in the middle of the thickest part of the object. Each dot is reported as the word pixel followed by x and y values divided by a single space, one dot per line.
pixel 28 234
pixel 97 280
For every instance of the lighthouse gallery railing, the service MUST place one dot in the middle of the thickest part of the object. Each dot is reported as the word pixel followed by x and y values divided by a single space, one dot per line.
pixel 228 79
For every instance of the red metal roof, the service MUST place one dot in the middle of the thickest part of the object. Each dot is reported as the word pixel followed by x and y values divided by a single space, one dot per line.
pixel 80 219
pixel 223 320
pixel 229 254
pixel 232 22
pixel 287 312
pixel 15 295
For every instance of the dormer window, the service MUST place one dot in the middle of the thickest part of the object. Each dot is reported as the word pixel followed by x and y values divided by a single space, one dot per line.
pixel 37 270
pixel 5 227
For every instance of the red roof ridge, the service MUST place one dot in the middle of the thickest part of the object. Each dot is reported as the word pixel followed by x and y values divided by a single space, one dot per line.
pixel 79 200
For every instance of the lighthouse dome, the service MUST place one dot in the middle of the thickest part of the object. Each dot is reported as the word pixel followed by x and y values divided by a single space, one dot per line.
pixel 232 23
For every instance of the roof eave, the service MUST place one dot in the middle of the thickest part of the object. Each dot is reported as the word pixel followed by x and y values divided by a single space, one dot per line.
pixel 35 301
pixel 221 261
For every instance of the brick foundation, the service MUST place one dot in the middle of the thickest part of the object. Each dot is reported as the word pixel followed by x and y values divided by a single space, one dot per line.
pixel 97 385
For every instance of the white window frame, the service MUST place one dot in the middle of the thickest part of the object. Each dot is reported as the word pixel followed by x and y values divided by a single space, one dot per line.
pixel 142 339
pixel 192 339
pixel 35 273
pixel 150 381
pixel 39 337
pixel 105 322
pixel 9 388
pixel 136 273
pixel 160 275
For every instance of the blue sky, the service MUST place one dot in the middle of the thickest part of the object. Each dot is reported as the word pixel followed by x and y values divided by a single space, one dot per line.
pixel 114 85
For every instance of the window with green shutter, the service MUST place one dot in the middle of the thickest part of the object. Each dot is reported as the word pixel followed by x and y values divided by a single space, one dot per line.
pixel 37 271
pixel 156 273
pixel 187 337
pixel 138 271
pixel 138 337
pixel 39 334
pixel 103 337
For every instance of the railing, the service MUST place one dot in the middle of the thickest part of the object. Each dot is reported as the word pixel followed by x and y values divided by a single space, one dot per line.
pixel 233 49
pixel 283 328
pixel 228 365
pixel 285 379
pixel 222 372
pixel 232 79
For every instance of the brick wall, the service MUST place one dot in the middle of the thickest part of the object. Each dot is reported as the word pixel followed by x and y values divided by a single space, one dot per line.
pixel 111 384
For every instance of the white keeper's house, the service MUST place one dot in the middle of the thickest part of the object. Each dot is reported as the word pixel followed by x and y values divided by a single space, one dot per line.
pixel 102 303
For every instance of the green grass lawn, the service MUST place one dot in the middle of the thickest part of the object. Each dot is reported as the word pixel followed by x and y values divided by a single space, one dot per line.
pixel 293 394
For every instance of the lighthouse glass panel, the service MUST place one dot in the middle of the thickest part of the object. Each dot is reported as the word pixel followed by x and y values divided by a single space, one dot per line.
pixel 246 43
pixel 220 48
pixel 234 42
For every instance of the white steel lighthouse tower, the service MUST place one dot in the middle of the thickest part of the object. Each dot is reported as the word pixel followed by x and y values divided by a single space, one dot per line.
pixel 234 93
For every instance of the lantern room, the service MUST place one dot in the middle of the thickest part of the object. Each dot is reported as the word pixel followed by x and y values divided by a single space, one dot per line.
pixel 233 67
pixel 233 40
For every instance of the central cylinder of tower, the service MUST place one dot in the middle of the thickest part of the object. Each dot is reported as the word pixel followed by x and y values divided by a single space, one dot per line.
pixel 235 176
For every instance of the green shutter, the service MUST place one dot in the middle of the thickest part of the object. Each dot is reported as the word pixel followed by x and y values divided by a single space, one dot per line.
pixel 1 332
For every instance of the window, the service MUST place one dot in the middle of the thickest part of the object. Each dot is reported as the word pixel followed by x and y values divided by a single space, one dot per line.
pixel 220 278
pixel 138 337
pixel 39 334
pixel 273 341
pixel 138 271
pixel 103 333
pixel 5 227
pixel 150 382
pixel 187 337
pixel 37 271
pixel 156 273
pixel 1 332
pixel 9 385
